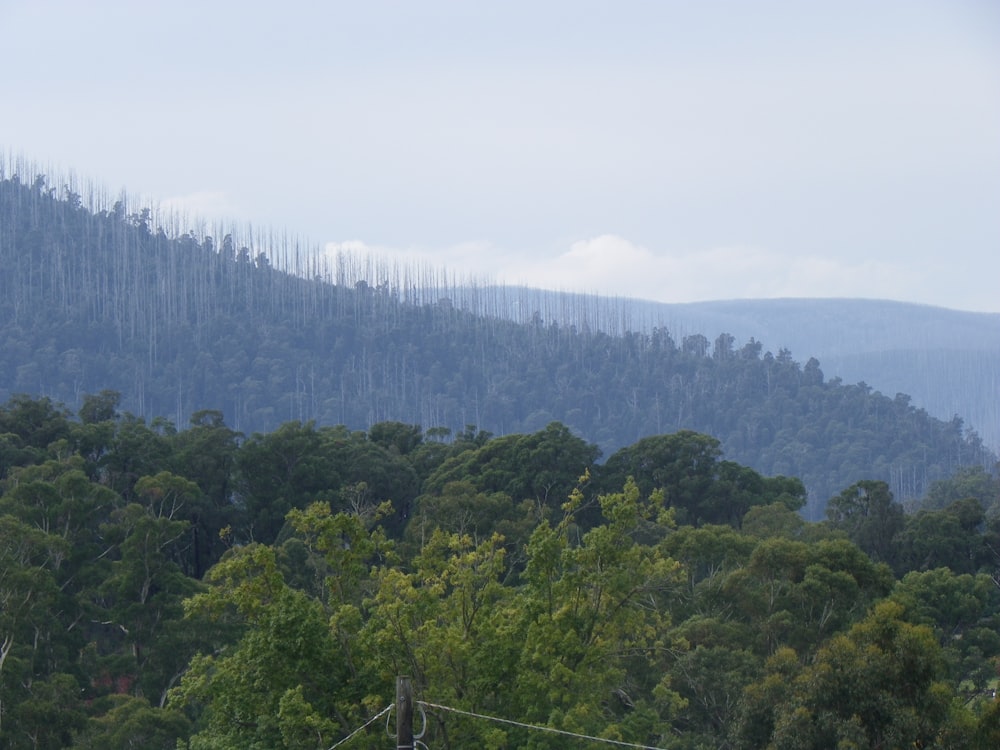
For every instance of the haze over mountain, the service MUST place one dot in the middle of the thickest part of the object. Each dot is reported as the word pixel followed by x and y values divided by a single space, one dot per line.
pixel 98 296
pixel 675 151
pixel 947 361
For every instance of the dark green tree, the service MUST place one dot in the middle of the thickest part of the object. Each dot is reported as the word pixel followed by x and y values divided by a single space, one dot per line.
pixel 279 471
pixel 879 685
pixel 870 517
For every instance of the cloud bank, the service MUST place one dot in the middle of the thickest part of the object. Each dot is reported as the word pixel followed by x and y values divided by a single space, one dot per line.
pixel 612 265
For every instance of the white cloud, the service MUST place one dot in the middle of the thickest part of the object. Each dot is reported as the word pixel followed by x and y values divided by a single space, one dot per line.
pixel 614 266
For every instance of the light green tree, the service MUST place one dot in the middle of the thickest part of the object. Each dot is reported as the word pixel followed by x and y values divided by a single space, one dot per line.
pixel 878 685
pixel 279 677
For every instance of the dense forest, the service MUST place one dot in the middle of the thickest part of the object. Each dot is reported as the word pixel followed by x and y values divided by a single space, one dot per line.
pixel 948 361
pixel 192 588
pixel 242 490
pixel 96 294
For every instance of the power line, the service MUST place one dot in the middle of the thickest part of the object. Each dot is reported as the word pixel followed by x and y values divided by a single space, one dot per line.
pixel 537 728
pixel 364 726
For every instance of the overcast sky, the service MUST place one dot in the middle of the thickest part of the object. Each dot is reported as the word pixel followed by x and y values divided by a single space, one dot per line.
pixel 675 151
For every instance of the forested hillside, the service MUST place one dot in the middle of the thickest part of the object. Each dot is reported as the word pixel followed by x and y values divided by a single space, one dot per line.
pixel 97 295
pixel 948 361
pixel 167 589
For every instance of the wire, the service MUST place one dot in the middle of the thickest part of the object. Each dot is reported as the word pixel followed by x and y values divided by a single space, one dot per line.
pixel 423 728
pixel 537 728
pixel 364 726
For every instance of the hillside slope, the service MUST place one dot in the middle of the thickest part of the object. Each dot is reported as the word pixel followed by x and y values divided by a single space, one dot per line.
pixel 99 297
pixel 947 361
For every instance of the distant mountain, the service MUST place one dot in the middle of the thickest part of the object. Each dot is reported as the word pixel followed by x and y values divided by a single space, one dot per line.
pixel 947 361
pixel 96 296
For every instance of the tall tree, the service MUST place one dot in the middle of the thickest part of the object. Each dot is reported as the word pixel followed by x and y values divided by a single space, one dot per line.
pixel 871 518
pixel 879 685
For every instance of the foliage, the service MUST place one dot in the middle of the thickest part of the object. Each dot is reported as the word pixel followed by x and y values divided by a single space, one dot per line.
pixel 968 482
pixel 667 598
pixel 867 512
pixel 878 685
pixel 101 295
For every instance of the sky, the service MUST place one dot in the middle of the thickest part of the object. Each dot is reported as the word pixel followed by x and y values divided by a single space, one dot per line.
pixel 673 151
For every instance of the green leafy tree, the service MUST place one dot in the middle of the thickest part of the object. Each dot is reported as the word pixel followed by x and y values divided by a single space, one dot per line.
pixel 869 516
pixel 988 728
pixel 542 467
pixel 124 721
pixel 403 439
pixel 56 500
pixel 279 471
pixel 101 407
pixel 37 422
pixel 949 538
pixel 168 496
pixel 708 554
pixel 879 685
pixel 276 686
pixel 145 588
pixel 372 474
pixel 348 545
pixel 775 519
pixel 797 594
pixel 136 450
pixel 597 602
pixel 48 715
pixel 13 452
pixel 964 611
pixel 460 509
pixel 967 482
pixel 444 624
pixel 686 467
pixel 681 465
pixel 29 594
pixel 205 454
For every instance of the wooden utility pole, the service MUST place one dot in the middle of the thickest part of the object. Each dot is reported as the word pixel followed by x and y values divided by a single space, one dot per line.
pixel 404 714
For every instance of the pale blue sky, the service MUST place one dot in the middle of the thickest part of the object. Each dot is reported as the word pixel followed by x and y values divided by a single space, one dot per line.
pixel 675 151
